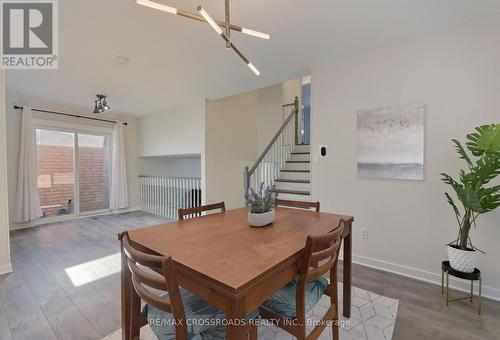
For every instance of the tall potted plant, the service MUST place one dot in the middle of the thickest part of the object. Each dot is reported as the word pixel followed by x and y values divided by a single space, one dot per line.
pixel 476 197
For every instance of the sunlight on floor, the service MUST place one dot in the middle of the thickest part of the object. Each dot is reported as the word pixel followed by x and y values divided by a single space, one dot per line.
pixel 94 270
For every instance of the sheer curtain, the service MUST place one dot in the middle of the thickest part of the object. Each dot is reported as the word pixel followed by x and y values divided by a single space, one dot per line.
pixel 119 192
pixel 27 199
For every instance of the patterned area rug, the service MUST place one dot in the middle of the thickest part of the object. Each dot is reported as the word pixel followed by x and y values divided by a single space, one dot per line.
pixel 373 317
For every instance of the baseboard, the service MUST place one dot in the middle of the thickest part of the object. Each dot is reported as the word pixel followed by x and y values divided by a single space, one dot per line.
pixel 422 275
pixel 126 210
pixel 5 268
pixel 47 220
pixel 19 226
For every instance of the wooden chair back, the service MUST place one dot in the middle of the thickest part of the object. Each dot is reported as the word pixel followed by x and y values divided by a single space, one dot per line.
pixel 318 249
pixel 325 249
pixel 319 257
pixel 150 272
pixel 196 211
pixel 297 204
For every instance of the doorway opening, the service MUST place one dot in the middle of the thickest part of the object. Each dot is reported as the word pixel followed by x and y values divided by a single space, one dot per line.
pixel 305 123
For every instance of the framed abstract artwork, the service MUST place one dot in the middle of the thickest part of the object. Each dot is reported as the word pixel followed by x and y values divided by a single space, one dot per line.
pixel 391 142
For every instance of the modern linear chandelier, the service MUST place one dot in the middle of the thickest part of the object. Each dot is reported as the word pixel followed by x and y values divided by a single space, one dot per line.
pixel 223 28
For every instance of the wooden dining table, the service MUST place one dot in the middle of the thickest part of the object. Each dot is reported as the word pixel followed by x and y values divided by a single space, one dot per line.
pixel 233 266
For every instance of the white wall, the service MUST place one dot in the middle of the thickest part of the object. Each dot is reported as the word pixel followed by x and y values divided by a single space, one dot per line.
pixel 457 75
pixel 13 139
pixel 170 166
pixel 238 129
pixel 270 115
pixel 5 266
pixel 178 131
pixel 230 145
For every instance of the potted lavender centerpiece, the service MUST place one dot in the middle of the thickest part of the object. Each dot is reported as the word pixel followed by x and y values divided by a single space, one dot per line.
pixel 261 203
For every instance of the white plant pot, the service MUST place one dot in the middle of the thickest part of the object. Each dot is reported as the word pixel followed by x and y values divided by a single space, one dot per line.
pixel 261 220
pixel 462 260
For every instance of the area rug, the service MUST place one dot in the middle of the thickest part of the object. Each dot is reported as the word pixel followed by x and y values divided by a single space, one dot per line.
pixel 373 317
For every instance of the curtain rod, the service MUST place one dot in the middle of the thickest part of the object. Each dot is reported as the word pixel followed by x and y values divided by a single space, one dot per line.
pixel 71 115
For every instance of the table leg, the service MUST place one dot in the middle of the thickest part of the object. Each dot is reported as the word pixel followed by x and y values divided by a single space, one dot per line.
pixel 471 290
pixel 447 287
pixel 347 281
pixel 234 314
pixel 480 286
pixel 442 282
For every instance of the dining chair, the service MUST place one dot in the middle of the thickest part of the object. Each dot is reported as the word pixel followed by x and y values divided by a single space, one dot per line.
pixel 300 205
pixel 287 308
pixel 297 204
pixel 196 211
pixel 168 306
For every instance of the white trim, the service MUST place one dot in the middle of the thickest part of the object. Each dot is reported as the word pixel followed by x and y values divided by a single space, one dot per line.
pixel 71 127
pixel 5 268
pixel 422 275
pixel 18 226
pixel 126 210
pixel 55 219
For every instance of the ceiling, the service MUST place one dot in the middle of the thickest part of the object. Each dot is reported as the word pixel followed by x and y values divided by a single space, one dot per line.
pixel 174 60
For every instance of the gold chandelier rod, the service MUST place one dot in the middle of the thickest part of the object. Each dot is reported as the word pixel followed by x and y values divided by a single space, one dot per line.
pixel 228 41
pixel 187 14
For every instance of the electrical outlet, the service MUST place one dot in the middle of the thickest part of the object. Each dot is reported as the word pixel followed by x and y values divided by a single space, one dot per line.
pixel 364 233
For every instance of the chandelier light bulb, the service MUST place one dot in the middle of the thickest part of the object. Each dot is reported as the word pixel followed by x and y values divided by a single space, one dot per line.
pixel 210 21
pixel 157 6
pixel 255 33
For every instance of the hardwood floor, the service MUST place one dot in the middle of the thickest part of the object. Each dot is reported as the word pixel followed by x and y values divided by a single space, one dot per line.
pixel 40 301
pixel 65 286
pixel 422 313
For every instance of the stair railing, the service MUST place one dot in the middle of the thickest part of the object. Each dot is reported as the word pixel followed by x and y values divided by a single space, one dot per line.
pixel 273 159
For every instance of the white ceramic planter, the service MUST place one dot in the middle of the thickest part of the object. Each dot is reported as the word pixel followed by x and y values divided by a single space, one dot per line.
pixel 261 220
pixel 462 260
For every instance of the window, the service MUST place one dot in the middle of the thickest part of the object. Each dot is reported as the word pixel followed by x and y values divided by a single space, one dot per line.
pixel 73 170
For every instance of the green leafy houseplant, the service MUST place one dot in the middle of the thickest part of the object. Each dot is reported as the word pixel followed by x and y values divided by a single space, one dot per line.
pixel 474 194
pixel 263 201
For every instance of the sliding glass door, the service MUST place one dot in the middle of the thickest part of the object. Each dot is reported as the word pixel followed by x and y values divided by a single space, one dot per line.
pixel 93 172
pixel 55 163
pixel 73 171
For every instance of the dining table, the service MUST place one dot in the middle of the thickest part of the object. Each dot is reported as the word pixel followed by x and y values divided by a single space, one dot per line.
pixel 231 265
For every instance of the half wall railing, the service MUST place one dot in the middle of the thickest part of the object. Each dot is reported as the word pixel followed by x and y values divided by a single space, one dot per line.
pixel 164 196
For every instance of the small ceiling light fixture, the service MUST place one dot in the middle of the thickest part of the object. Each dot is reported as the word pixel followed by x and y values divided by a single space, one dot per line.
pixel 122 60
pixel 222 28
pixel 101 104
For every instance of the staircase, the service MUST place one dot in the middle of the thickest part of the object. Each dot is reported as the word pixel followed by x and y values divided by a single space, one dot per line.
pixel 284 163
pixel 294 180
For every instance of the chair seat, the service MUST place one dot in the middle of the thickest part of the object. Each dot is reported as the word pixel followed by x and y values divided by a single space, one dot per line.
pixel 204 321
pixel 283 301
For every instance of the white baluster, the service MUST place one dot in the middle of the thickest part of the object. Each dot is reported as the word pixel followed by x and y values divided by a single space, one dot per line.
pixel 178 191
pixel 140 193
pixel 170 196
pixel 183 193
pixel 148 194
pixel 163 197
